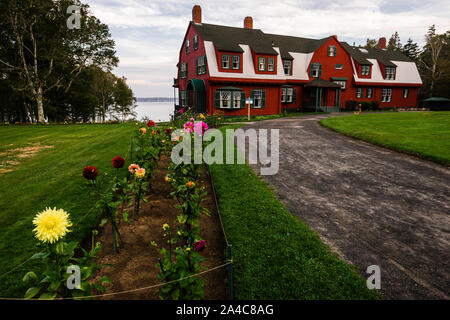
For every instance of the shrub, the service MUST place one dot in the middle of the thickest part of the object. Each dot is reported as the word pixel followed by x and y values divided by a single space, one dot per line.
pixel 351 105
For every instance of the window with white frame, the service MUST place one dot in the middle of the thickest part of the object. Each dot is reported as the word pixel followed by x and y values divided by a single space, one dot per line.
pixel 225 99
pixel 261 64
pixel 195 44
pixel 369 93
pixel 389 73
pixel 201 65
pixel 183 70
pixel 287 94
pixel 225 61
pixel 315 70
pixel 287 66
pixel 342 83
pixel 270 64
pixel 236 63
pixel 405 93
pixel 236 99
pixel 359 92
pixel 339 66
pixel 257 98
pixel 332 51
pixel 365 70
pixel 187 45
pixel 184 98
pixel 386 95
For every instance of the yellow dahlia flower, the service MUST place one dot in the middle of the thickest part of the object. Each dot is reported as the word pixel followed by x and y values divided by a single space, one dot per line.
pixel 140 173
pixel 51 224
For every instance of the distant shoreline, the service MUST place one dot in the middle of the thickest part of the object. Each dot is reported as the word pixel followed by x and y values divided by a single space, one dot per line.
pixel 155 99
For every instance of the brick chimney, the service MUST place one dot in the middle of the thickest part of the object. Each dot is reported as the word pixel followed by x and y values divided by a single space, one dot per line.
pixel 197 14
pixel 248 23
pixel 381 43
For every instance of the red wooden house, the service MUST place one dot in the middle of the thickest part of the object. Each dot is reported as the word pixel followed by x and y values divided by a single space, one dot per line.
pixel 220 66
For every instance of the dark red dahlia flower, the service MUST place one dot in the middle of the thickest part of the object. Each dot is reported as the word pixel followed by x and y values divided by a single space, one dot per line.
pixel 90 173
pixel 199 245
pixel 150 123
pixel 168 131
pixel 118 162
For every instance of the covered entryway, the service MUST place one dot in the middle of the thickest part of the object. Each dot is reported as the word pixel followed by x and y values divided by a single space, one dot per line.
pixel 196 95
pixel 321 92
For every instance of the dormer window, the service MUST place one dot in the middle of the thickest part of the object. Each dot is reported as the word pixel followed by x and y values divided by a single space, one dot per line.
pixel 270 64
pixel 287 66
pixel 261 64
pixel 365 70
pixel 236 63
pixel 225 61
pixel 316 70
pixel 332 51
pixel 389 73
pixel 195 44
pixel 187 46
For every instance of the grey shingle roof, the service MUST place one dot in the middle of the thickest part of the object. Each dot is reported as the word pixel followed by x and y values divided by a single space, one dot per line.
pixel 229 38
pixel 384 56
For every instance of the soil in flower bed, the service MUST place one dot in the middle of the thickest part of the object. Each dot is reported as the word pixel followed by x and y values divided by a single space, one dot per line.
pixel 135 265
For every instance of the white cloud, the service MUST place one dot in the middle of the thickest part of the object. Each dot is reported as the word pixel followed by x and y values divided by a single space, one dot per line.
pixel 148 34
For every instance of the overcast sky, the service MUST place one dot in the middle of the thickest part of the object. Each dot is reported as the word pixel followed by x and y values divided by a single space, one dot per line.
pixel 149 33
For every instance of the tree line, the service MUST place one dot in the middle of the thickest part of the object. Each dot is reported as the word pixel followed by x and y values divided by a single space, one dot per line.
pixel 52 70
pixel 432 60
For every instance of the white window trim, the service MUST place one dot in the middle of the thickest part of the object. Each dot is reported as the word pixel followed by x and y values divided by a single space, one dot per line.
pixel 359 92
pixel 259 98
pixel 339 64
pixel 238 62
pixel 406 90
pixel 222 100
pixel 260 64
pixel 365 70
pixel 237 102
pixel 226 61
pixel 315 70
pixel 389 73
pixel 289 62
pixel 386 95
pixel 371 93
pixel 269 65
pixel 333 52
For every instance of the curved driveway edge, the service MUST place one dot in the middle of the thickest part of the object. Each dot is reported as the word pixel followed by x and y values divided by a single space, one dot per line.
pixel 371 205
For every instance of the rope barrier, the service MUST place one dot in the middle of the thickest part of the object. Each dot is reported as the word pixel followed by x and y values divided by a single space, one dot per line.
pixel 138 289
pixel 217 205
pixel 19 265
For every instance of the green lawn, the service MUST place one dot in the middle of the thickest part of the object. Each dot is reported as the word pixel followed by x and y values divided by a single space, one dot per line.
pixel 276 255
pixel 52 178
pixel 424 134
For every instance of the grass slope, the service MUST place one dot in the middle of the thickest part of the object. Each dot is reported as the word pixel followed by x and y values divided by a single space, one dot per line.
pixel 424 134
pixel 276 256
pixel 52 178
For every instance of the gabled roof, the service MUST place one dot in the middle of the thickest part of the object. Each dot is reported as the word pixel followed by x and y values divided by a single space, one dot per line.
pixel 294 44
pixel 384 56
pixel 229 38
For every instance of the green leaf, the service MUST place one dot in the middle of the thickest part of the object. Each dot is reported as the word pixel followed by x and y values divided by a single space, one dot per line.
pixel 31 292
pixel 105 279
pixel 47 296
pixel 30 276
pixel 40 255
pixel 99 287
pixel 103 222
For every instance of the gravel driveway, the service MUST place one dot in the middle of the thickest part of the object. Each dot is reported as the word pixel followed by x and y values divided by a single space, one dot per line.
pixel 372 206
